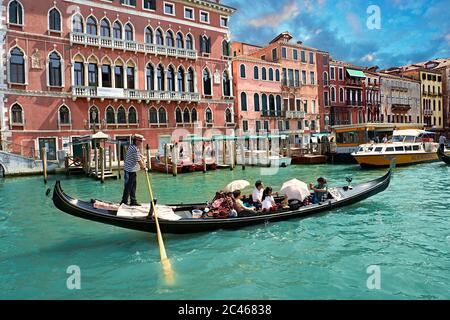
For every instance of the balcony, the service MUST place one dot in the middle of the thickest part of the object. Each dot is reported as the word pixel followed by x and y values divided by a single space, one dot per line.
pixel 291 83
pixel 354 103
pixel 272 114
pixel 97 41
pixel 132 94
pixel 295 114
pixel 353 82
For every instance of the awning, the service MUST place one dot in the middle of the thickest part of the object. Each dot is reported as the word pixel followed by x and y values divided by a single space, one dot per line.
pixel 195 139
pixel 356 73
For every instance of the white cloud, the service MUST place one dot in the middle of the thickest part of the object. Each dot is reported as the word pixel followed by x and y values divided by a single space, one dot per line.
pixel 368 57
pixel 289 11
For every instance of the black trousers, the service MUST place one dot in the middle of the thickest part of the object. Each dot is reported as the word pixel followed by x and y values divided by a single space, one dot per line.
pixel 442 147
pixel 130 188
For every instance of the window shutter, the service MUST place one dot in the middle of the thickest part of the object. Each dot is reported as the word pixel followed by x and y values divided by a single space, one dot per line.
pixel 201 44
pixel 208 50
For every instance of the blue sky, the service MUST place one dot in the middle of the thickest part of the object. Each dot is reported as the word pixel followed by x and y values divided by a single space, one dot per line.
pixel 411 30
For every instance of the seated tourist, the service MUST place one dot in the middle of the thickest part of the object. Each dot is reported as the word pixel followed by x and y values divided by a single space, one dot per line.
pixel 320 190
pixel 257 195
pixel 268 203
pixel 239 205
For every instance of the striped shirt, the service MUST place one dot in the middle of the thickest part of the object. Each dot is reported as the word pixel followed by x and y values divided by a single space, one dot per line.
pixel 132 159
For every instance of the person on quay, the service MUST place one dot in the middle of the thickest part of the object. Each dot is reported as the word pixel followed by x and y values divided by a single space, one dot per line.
pixel 442 142
pixel 320 190
pixel 133 162
pixel 257 195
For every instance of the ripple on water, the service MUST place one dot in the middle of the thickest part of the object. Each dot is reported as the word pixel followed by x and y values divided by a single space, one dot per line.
pixel 404 230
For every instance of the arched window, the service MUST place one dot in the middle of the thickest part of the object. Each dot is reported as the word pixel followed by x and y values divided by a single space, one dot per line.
pixel 278 105
pixel 159 37
pixel 121 115
pixel 162 115
pixel 160 77
pixel 277 75
pixel 264 74
pixel 132 115
pixel 194 116
pixel 208 116
pixel 180 41
pixel 264 104
pixel 207 89
pixel 226 84
pixel 148 35
pixel 243 101
pixel 55 70
pixel 117 30
pixel 17 66
pixel 205 44
pixel 171 79
pixel 325 78
pixel 189 42
pixel 150 77
pixel 17 114
pixel 94 115
pixel 226 50
pixel 178 116
pixel 77 24
pixel 64 115
pixel 54 20
pixel 153 116
pixel 186 116
pixel 333 94
pixel 105 28
pixel 15 13
pixel 169 39
pixel 110 116
pixel 243 73
pixel 256 102
pixel 270 74
pixel 190 80
pixel 256 73
pixel 91 26
pixel 180 80
pixel 341 94
pixel 272 105
pixel 228 116
pixel 129 32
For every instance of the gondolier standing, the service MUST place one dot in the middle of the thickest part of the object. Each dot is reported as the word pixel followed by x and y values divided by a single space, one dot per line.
pixel 133 162
pixel 442 142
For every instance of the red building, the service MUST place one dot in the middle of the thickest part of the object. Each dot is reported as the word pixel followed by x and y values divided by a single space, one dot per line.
pixel 122 66
pixel 347 93
pixel 323 81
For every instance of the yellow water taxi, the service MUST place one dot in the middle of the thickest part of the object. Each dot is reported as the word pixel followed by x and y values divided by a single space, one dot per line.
pixel 406 147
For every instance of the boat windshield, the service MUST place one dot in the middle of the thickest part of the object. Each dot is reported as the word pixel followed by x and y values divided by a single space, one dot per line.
pixel 407 139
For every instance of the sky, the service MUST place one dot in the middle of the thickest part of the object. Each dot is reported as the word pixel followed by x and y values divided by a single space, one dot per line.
pixel 384 33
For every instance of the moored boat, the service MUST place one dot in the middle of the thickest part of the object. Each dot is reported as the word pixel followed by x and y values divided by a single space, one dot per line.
pixel 188 223
pixel 406 147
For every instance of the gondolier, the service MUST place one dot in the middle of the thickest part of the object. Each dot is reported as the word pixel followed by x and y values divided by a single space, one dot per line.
pixel 442 142
pixel 133 162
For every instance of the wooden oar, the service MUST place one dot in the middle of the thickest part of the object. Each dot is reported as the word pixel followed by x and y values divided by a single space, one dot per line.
pixel 167 267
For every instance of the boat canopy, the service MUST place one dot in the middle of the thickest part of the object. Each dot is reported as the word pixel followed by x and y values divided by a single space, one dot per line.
pixel 411 133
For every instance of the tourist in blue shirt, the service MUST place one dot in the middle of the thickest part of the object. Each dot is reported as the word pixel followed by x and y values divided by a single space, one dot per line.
pixel 133 162
pixel 320 190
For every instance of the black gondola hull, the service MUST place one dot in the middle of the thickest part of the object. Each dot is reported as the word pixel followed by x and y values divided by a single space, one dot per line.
pixel 444 157
pixel 185 226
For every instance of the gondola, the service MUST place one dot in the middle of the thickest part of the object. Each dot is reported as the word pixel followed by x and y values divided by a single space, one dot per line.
pixel 443 156
pixel 342 196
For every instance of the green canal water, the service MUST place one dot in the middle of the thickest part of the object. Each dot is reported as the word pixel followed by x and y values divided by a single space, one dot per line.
pixel 405 231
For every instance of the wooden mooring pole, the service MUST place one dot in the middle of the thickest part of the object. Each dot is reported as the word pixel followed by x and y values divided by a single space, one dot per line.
pixel 44 163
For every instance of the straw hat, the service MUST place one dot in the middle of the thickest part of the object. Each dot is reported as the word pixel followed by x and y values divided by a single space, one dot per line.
pixel 139 137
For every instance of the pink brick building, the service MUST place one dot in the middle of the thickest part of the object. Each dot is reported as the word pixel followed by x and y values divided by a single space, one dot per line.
pixel 122 66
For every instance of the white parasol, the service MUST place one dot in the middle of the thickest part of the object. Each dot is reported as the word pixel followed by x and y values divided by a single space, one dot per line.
pixel 236 185
pixel 295 190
